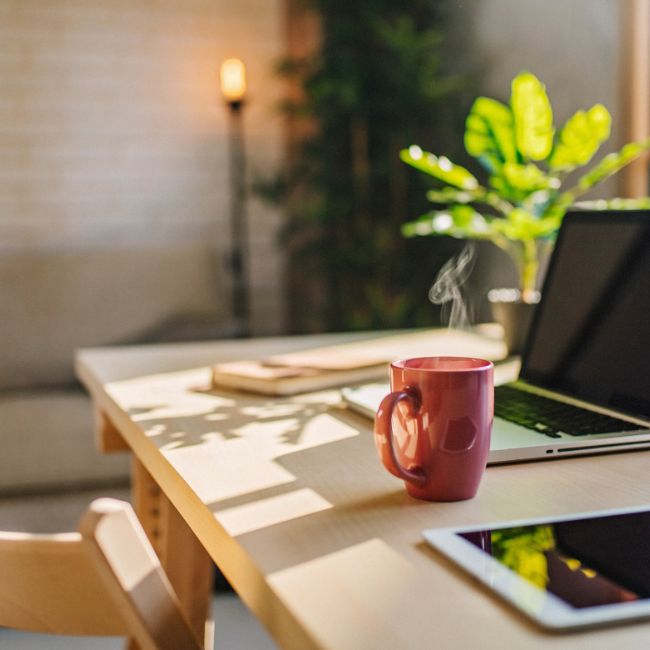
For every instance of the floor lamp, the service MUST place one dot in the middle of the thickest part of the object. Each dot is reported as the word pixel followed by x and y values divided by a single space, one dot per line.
pixel 233 88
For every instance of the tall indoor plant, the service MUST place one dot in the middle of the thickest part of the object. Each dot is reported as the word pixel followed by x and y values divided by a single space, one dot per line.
pixel 344 190
pixel 529 165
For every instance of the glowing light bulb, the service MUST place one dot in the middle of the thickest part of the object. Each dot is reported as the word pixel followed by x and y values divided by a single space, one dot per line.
pixel 233 80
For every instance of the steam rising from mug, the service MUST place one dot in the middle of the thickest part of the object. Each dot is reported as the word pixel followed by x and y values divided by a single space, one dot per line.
pixel 447 287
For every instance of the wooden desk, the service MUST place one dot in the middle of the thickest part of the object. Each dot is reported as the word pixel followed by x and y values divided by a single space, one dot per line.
pixel 289 499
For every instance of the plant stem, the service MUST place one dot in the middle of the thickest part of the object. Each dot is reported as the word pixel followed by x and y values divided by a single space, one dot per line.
pixel 528 269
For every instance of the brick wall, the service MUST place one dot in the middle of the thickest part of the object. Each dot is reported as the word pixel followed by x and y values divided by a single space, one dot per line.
pixel 113 133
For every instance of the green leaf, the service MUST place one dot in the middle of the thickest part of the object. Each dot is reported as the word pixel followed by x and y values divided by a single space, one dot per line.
pixel 463 216
pixel 463 222
pixel 523 226
pixel 580 138
pixel 460 221
pixel 489 133
pixel 528 178
pixel 559 205
pixel 518 182
pixel 533 117
pixel 642 203
pixel 450 195
pixel 611 164
pixel 439 167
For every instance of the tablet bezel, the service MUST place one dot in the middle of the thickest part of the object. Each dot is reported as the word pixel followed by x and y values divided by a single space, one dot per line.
pixel 544 608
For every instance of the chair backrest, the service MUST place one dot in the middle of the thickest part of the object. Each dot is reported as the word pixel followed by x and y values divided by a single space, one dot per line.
pixel 104 580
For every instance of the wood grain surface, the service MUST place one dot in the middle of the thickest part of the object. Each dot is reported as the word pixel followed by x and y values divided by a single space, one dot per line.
pixel 289 498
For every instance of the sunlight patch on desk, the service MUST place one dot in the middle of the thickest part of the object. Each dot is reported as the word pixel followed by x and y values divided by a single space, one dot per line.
pixel 238 470
pixel 272 510
pixel 357 586
pixel 246 462
pixel 268 430
pixel 154 396
pixel 216 417
pixel 323 429
pixel 293 434
pixel 239 440
pixel 273 410
pixel 155 430
pixel 188 406
pixel 174 444
pixel 326 397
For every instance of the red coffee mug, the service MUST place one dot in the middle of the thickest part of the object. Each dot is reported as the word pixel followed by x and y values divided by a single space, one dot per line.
pixel 433 430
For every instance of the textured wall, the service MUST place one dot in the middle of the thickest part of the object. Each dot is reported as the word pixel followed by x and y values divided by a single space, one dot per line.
pixel 573 46
pixel 113 133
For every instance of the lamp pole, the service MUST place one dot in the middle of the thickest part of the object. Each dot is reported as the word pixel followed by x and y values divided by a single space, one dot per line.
pixel 233 87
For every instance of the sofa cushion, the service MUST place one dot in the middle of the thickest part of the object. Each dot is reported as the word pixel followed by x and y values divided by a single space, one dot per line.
pixel 47 440
pixel 53 303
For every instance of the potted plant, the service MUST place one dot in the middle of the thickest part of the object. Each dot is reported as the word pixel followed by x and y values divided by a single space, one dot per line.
pixel 530 183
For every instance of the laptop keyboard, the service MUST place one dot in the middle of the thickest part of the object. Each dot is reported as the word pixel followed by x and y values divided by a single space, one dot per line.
pixel 548 416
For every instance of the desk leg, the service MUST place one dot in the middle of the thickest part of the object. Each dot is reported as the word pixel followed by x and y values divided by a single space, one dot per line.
pixel 186 562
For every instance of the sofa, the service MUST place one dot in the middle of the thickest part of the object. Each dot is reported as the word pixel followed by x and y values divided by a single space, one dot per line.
pixel 57 301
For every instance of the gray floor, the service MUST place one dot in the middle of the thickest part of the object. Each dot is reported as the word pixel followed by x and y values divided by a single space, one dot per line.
pixel 235 627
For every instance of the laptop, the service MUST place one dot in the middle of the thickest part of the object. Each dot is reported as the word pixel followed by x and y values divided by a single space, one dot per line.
pixel 584 383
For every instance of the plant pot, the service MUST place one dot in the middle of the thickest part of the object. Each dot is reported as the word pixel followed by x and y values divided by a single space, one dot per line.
pixel 514 315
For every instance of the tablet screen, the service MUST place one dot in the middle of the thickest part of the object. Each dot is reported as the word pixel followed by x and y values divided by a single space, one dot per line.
pixel 602 560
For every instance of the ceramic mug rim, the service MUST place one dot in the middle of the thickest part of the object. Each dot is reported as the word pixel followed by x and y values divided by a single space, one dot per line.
pixel 478 365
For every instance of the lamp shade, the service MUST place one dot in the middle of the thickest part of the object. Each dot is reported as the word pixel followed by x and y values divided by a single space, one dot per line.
pixel 233 80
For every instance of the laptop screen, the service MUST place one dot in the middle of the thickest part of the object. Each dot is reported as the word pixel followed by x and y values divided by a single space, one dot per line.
pixel 591 334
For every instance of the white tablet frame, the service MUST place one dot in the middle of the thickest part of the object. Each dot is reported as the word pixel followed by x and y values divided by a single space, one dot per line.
pixel 542 607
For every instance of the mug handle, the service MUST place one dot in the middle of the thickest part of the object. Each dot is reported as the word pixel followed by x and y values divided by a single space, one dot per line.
pixel 384 434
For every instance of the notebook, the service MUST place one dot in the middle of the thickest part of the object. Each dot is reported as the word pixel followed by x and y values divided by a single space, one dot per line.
pixel 337 365
pixel 584 383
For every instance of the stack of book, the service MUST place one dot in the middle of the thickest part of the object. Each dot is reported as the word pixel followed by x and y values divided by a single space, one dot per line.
pixel 350 363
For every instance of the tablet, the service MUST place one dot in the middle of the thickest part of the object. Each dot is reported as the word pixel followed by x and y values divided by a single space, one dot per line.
pixel 566 572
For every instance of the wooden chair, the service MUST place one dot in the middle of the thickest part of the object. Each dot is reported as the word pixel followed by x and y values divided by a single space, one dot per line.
pixel 104 580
